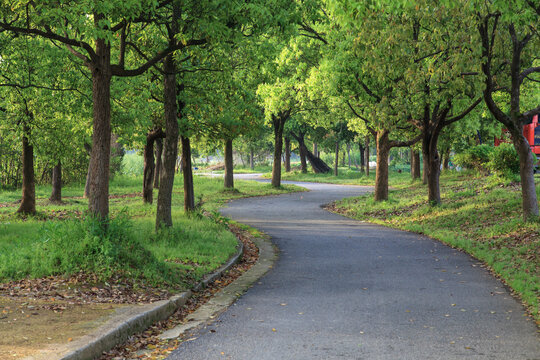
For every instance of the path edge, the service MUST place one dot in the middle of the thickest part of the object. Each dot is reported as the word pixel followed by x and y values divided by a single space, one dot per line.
pixel 126 323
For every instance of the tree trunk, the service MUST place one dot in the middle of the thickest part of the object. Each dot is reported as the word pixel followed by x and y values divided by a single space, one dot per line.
pixel 362 156
pixel 446 159
pixel 278 124
pixel 432 163
pixel 343 159
pixel 170 146
pixel 251 159
pixel 158 154
pixel 189 192
pixel 229 175
pixel 367 156
pixel 28 202
pixel 315 151
pixel 336 160
pixel 87 183
pixel 56 194
pixel 149 165
pixel 526 171
pixel 381 173
pixel 415 164
pixel 287 154
pixel 302 150
pixel 349 153
pixel 98 202
pixel 425 165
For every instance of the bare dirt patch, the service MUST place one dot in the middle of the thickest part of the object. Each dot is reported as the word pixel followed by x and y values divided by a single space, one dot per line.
pixel 28 325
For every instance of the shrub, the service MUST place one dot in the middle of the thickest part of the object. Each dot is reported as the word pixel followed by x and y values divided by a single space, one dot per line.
pixel 504 160
pixel 475 158
pixel 73 246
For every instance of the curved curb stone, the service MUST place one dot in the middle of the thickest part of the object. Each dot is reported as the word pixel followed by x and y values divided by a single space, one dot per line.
pixel 128 321
pixel 224 298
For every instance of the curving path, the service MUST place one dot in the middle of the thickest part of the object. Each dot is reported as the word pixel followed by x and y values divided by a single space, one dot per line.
pixel 343 289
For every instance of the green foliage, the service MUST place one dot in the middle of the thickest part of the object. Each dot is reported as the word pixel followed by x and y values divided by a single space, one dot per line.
pixel 504 160
pixel 475 158
pixel 132 165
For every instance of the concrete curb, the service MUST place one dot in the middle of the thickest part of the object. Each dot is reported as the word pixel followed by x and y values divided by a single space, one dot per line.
pixel 228 295
pixel 130 320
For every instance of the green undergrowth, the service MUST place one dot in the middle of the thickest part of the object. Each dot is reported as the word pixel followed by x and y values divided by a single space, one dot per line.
pixel 62 240
pixel 480 215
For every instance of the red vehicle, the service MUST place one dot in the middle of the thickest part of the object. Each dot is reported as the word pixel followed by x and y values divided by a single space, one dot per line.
pixel 531 131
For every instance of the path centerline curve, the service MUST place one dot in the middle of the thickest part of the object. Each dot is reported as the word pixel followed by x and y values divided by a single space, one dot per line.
pixel 344 289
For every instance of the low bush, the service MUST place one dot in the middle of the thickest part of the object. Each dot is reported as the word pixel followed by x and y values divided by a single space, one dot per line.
pixel 475 158
pixel 504 160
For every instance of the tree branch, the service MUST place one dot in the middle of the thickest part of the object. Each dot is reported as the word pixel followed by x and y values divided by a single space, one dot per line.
pixel 464 113
pixel 120 71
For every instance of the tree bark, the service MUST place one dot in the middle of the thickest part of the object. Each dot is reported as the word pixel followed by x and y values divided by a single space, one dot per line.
pixel 56 194
pixel 362 159
pixel 367 155
pixel 189 192
pixel 28 201
pixel 432 163
pixel 315 150
pixel 149 164
pixel 415 164
pixel 336 159
pixel 170 146
pixel 98 202
pixel 158 154
pixel 278 123
pixel 88 149
pixel 229 166
pixel 425 167
pixel 349 153
pixel 381 173
pixel 251 159
pixel 287 154
pixel 302 150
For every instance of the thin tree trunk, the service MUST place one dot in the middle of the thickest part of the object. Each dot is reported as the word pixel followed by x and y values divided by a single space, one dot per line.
pixel 362 156
pixel 302 150
pixel 315 150
pixel 278 124
pixel 28 201
pixel 149 164
pixel 56 194
pixel 98 202
pixel 229 166
pixel 287 154
pixel 446 159
pixel 526 171
pixel 87 183
pixel 170 146
pixel 251 159
pixel 349 153
pixel 189 192
pixel 367 155
pixel 432 163
pixel 336 160
pixel 415 164
pixel 158 154
pixel 425 162
pixel 381 173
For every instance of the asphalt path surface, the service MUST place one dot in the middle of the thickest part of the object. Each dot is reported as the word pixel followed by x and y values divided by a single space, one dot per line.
pixel 344 289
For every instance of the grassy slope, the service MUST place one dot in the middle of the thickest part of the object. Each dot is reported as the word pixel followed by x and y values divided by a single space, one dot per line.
pixel 194 246
pixel 478 215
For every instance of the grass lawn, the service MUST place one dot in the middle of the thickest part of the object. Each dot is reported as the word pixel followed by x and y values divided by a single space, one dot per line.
pixel 345 176
pixel 59 241
pixel 478 214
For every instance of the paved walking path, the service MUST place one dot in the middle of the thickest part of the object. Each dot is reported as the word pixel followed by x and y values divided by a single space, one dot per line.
pixel 344 289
